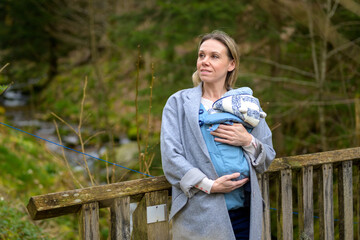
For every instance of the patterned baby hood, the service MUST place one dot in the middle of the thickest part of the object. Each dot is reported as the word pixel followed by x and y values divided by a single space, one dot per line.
pixel 242 104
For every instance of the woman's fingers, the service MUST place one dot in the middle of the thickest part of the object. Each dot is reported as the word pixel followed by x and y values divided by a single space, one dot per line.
pixel 241 182
pixel 235 135
pixel 231 176
pixel 226 183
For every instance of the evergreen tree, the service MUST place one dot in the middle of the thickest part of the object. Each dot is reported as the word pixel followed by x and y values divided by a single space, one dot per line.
pixel 24 38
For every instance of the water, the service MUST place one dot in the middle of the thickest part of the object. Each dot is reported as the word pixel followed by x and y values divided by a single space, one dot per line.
pixel 14 98
pixel 20 115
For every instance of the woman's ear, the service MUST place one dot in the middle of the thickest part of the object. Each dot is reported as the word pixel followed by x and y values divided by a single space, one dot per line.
pixel 231 66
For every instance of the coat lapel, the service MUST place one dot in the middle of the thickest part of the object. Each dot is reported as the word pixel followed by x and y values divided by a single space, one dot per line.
pixel 192 106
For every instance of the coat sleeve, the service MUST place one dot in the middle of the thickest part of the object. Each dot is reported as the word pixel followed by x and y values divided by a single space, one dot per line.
pixel 265 152
pixel 178 170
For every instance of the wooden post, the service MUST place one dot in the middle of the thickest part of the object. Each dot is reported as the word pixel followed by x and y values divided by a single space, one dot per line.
pixel 286 203
pixel 306 208
pixel 279 218
pixel 139 221
pixel 120 219
pixel 266 229
pixel 346 201
pixel 152 231
pixel 300 193
pixel 357 198
pixel 158 230
pixel 326 202
pixel 89 221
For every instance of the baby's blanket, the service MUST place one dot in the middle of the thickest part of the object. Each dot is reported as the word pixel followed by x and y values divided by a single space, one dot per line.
pixel 237 105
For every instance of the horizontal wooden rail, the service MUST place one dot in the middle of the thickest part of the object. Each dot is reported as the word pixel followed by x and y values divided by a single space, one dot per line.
pixel 313 159
pixel 62 203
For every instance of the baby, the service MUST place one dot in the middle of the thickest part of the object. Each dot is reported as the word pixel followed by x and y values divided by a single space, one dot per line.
pixel 236 106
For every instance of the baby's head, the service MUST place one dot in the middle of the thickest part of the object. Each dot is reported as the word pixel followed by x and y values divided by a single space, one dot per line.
pixel 242 104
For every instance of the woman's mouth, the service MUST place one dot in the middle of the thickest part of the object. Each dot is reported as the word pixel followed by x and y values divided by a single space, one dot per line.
pixel 204 71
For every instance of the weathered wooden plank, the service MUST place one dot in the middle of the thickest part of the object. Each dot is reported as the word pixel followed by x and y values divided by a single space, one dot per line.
pixel 139 221
pixel 300 193
pixel 120 219
pixel 89 221
pixel 279 216
pixel 266 229
pixel 306 208
pixel 286 203
pixel 346 230
pixel 326 202
pixel 357 199
pixel 62 203
pixel 158 230
pixel 314 159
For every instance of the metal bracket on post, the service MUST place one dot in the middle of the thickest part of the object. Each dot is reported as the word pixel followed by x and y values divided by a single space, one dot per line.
pixel 156 213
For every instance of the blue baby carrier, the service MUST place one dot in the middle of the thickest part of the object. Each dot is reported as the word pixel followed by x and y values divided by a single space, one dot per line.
pixel 237 106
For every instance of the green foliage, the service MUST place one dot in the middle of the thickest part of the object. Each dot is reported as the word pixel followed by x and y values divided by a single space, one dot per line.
pixel 164 22
pixel 14 224
pixel 25 31
pixel 26 170
pixel 192 18
pixel 3 88
pixel 25 37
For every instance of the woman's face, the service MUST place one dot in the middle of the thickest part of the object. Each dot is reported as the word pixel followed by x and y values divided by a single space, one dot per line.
pixel 213 63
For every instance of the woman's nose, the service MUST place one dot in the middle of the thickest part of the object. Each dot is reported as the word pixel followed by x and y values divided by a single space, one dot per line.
pixel 205 61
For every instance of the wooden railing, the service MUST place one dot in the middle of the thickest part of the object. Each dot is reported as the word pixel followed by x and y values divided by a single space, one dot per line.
pixel 310 177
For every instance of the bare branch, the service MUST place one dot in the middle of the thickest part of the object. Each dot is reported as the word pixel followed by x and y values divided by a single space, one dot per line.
pixel 94 135
pixel 64 156
pixel 63 121
pixel 4 67
pixel 283 66
pixel 351 5
pixel 333 8
pixel 279 79
pixel 311 31
pixel 313 103
pixel 343 47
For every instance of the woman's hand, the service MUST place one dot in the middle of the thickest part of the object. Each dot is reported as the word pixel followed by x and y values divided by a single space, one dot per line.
pixel 235 134
pixel 225 184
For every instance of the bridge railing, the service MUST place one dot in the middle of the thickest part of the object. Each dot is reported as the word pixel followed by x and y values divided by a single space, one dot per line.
pixel 311 178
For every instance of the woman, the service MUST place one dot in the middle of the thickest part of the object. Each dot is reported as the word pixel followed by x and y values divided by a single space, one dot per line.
pixel 208 200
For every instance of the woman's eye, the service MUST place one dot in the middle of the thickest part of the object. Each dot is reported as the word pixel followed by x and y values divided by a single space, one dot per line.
pixel 215 56
pixel 201 55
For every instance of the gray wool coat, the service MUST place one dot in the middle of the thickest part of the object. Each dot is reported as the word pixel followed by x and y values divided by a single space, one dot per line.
pixel 186 161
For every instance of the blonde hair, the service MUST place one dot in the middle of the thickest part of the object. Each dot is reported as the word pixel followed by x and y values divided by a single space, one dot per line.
pixel 232 52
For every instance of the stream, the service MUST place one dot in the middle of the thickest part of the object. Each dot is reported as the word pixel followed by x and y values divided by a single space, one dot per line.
pixel 20 114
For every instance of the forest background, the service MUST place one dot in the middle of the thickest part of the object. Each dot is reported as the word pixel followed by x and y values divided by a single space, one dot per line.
pixel 98 73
